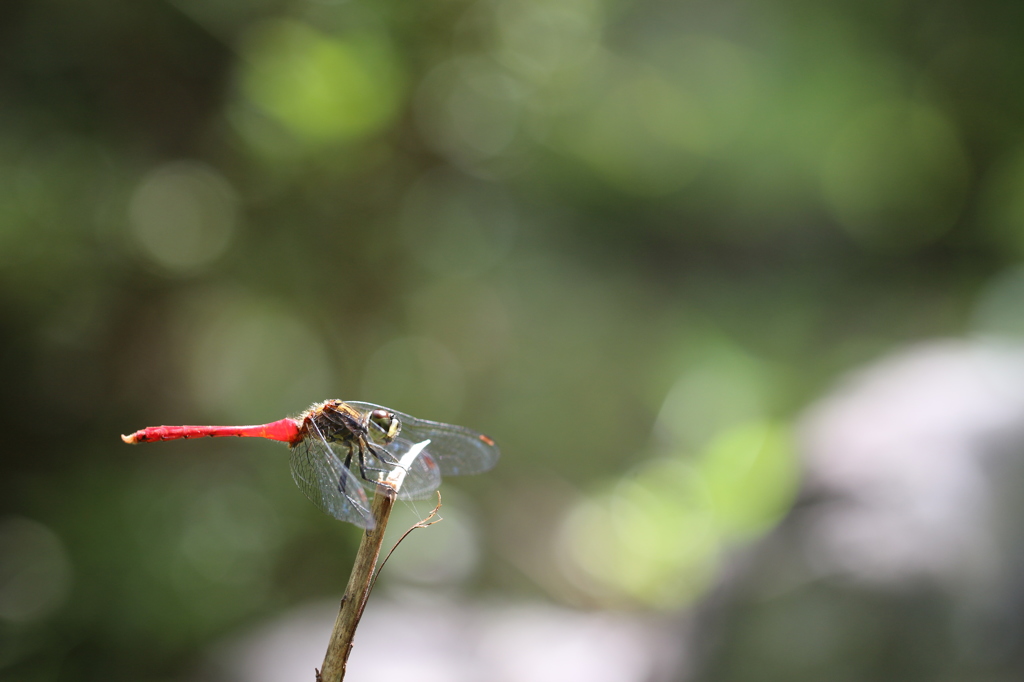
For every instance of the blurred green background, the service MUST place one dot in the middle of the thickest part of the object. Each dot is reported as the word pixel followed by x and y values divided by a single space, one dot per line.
pixel 628 240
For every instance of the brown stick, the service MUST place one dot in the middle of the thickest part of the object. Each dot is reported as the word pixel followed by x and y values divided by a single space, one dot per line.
pixel 361 581
pixel 358 590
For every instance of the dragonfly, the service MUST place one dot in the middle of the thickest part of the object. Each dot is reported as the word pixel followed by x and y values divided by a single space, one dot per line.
pixel 340 448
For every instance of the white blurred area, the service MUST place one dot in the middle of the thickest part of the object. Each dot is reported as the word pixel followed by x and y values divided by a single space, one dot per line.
pixel 438 640
pixel 914 461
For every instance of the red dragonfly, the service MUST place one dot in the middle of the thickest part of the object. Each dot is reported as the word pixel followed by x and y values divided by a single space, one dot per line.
pixel 338 448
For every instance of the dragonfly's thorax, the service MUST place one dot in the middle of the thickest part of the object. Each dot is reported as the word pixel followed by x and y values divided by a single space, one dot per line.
pixel 336 421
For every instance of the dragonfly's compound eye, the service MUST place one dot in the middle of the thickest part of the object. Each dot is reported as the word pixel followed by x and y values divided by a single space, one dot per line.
pixel 385 425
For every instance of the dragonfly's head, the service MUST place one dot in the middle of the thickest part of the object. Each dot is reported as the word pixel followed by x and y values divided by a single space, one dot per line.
pixel 384 426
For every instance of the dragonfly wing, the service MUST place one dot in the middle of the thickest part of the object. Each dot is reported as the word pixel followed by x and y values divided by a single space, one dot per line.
pixel 457 450
pixel 323 478
pixel 422 477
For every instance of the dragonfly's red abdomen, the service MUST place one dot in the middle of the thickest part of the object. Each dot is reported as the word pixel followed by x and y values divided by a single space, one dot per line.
pixel 286 430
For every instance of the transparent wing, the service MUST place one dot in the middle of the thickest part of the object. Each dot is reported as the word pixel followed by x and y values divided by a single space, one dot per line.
pixel 456 450
pixel 323 478
pixel 422 478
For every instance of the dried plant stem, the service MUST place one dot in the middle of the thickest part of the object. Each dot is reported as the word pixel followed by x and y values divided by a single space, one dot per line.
pixel 360 582
pixel 358 590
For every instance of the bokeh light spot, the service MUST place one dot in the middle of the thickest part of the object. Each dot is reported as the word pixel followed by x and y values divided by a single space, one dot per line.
pixel 751 474
pixel 723 388
pixel 650 540
pixel 415 375
pixel 471 320
pixel 456 226
pixel 1002 204
pixel 896 175
pixel 719 75
pixel 35 572
pixel 469 109
pixel 445 554
pixel 319 87
pixel 999 311
pixel 183 216
pixel 655 537
pixel 230 534
pixel 248 358
pixel 538 38
pixel 645 136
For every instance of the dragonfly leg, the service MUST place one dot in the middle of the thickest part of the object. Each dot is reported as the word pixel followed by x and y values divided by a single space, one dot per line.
pixel 341 479
pixel 364 467
pixel 382 455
